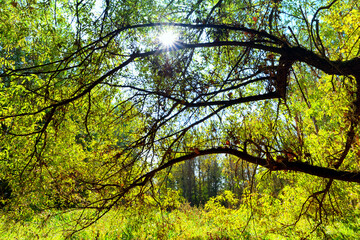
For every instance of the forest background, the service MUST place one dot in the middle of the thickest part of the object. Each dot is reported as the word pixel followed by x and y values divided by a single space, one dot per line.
pixel 180 119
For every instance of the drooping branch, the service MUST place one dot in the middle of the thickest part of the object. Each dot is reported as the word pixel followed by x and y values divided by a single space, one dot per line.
pixel 272 165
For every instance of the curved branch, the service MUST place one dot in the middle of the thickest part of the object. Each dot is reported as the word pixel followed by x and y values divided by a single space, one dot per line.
pixel 303 167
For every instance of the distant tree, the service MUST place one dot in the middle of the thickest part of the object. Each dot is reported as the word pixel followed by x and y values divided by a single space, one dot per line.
pixel 214 178
pixel 198 180
pixel 188 182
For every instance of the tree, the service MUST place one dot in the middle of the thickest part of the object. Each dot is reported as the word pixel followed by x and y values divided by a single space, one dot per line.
pixel 198 180
pixel 272 84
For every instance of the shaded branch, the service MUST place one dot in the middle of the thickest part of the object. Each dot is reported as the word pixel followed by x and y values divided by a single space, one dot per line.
pixel 273 166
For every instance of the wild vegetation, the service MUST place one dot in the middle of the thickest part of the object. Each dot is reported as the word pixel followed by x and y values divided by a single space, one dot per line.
pixel 185 119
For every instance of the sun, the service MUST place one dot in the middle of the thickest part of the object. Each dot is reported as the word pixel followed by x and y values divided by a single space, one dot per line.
pixel 168 38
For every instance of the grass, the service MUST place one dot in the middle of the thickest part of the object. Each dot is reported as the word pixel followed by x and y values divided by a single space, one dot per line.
pixel 184 223
pixel 187 223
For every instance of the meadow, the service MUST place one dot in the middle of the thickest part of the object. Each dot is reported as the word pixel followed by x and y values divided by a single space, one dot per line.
pixel 212 221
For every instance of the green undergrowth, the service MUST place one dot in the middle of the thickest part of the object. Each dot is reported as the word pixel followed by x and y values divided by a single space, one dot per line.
pixel 222 217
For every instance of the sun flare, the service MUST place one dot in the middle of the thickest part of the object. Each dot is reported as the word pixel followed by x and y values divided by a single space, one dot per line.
pixel 168 38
